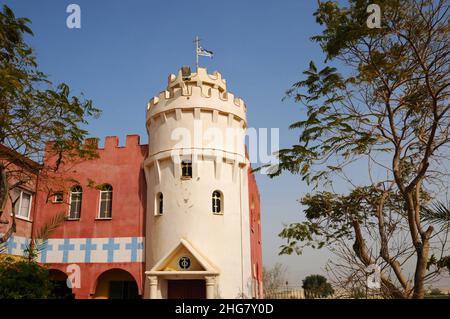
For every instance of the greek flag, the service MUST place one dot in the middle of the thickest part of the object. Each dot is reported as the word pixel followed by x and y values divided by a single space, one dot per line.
pixel 203 52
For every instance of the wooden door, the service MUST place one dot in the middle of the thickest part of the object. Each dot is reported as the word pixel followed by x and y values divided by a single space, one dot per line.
pixel 186 289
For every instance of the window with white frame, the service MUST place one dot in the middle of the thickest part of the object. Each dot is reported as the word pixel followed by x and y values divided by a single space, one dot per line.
pixel 22 206
pixel 217 202
pixel 106 194
pixel 76 195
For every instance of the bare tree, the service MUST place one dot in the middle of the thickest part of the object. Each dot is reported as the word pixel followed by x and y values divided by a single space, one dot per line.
pixel 274 278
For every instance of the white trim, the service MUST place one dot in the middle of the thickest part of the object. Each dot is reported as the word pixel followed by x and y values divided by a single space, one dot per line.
pixel 100 203
pixel 16 215
pixel 209 268
pixel 70 203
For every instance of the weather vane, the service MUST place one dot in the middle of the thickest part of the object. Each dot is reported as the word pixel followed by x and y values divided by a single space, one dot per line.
pixel 200 51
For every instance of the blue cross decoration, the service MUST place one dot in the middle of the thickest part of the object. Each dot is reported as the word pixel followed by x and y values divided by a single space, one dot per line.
pixel 111 247
pixel 24 246
pixel 134 246
pixel 46 247
pixel 11 245
pixel 66 248
pixel 88 247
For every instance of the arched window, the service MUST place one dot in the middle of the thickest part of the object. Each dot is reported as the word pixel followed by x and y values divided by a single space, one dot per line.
pixel 217 202
pixel 76 194
pixel 106 193
pixel 159 204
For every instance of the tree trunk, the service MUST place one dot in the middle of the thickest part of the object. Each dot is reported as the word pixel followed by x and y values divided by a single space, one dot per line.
pixel 421 269
pixel 4 189
pixel 4 192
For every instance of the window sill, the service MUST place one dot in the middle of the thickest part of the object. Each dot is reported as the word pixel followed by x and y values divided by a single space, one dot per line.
pixel 72 219
pixel 218 214
pixel 103 218
pixel 185 178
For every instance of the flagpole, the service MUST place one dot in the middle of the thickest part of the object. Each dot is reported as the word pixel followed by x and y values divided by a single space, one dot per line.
pixel 197 40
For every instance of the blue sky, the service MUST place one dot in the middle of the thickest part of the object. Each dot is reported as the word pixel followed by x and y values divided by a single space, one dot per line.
pixel 125 50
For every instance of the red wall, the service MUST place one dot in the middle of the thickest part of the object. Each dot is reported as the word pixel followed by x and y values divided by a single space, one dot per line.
pixel 255 232
pixel 121 167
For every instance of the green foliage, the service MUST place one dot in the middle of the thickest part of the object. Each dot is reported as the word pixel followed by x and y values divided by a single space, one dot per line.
pixel 36 116
pixel 330 217
pixel 21 279
pixel 441 263
pixel 317 286
pixel 385 98
pixel 39 240
pixel 33 111
pixel 438 212
pixel 391 104
pixel 388 107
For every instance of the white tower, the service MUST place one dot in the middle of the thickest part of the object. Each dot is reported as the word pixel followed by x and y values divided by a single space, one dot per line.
pixel 197 225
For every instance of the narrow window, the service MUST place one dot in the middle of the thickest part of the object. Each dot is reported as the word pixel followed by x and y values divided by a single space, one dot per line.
pixel 106 194
pixel 186 169
pixel 159 204
pixel 217 202
pixel 76 195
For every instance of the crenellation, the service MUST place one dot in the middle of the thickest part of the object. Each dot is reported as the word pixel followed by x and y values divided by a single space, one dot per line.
pixel 111 142
pixel 132 140
pixel 92 141
pixel 200 85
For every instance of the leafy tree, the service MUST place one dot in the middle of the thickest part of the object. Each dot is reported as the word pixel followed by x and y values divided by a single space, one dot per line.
pixel 317 286
pixel 388 108
pixel 22 279
pixel 33 113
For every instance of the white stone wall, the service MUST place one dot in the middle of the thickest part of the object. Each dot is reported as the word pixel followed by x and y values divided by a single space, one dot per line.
pixel 224 240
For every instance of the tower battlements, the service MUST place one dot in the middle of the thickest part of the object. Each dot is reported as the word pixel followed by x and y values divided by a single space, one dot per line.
pixel 214 80
pixel 197 90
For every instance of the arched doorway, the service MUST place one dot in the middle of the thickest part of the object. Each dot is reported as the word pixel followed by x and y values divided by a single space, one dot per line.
pixel 59 289
pixel 116 284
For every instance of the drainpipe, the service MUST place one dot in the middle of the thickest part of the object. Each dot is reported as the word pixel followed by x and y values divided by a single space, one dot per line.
pixel 242 241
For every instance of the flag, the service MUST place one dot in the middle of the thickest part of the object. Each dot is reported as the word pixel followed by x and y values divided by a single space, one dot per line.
pixel 203 52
